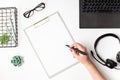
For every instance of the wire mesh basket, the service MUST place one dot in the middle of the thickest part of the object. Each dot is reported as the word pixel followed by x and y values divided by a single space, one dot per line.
pixel 8 27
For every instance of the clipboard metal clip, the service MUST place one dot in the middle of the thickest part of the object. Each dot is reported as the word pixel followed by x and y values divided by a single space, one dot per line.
pixel 44 20
pixel 41 22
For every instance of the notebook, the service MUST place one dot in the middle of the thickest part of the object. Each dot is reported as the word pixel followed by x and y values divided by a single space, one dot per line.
pixel 48 38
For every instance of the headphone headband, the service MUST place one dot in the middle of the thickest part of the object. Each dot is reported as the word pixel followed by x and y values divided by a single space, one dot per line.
pixel 103 36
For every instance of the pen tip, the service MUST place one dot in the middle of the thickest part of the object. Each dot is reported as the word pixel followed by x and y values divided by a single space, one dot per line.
pixel 67 45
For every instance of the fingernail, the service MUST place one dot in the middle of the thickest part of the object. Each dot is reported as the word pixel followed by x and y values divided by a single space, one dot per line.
pixel 71 50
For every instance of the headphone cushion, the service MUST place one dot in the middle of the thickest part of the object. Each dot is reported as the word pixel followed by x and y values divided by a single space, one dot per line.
pixel 118 57
pixel 110 63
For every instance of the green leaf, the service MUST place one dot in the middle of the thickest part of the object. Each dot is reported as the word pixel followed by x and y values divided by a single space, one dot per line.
pixel 4 39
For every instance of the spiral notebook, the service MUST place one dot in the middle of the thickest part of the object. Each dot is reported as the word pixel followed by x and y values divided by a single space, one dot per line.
pixel 48 38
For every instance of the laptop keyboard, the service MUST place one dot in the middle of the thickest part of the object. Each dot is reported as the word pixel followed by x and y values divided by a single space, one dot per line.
pixel 101 5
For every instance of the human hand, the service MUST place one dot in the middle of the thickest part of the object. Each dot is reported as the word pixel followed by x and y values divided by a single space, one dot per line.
pixel 84 59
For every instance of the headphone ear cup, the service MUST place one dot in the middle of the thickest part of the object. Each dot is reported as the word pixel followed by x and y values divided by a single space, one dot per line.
pixel 110 63
pixel 118 57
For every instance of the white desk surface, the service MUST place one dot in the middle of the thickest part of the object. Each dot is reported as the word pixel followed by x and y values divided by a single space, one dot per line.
pixel 32 69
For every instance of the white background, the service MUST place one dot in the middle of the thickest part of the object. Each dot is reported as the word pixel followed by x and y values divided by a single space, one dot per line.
pixel 32 69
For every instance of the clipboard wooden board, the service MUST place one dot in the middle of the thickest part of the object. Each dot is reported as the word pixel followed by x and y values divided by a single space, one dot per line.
pixel 48 38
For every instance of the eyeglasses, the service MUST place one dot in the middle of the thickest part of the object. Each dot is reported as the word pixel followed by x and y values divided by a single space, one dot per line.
pixel 29 13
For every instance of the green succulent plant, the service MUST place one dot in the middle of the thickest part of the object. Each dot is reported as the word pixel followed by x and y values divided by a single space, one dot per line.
pixel 4 38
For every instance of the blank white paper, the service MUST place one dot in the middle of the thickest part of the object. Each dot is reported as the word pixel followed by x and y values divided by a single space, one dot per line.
pixel 48 41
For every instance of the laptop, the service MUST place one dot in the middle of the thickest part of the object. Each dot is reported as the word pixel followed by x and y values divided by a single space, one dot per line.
pixel 99 14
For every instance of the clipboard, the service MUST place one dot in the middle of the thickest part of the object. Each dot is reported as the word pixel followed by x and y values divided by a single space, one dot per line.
pixel 48 38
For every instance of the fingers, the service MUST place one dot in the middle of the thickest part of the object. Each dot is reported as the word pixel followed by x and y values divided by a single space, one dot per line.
pixel 79 46
pixel 71 51
pixel 74 53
